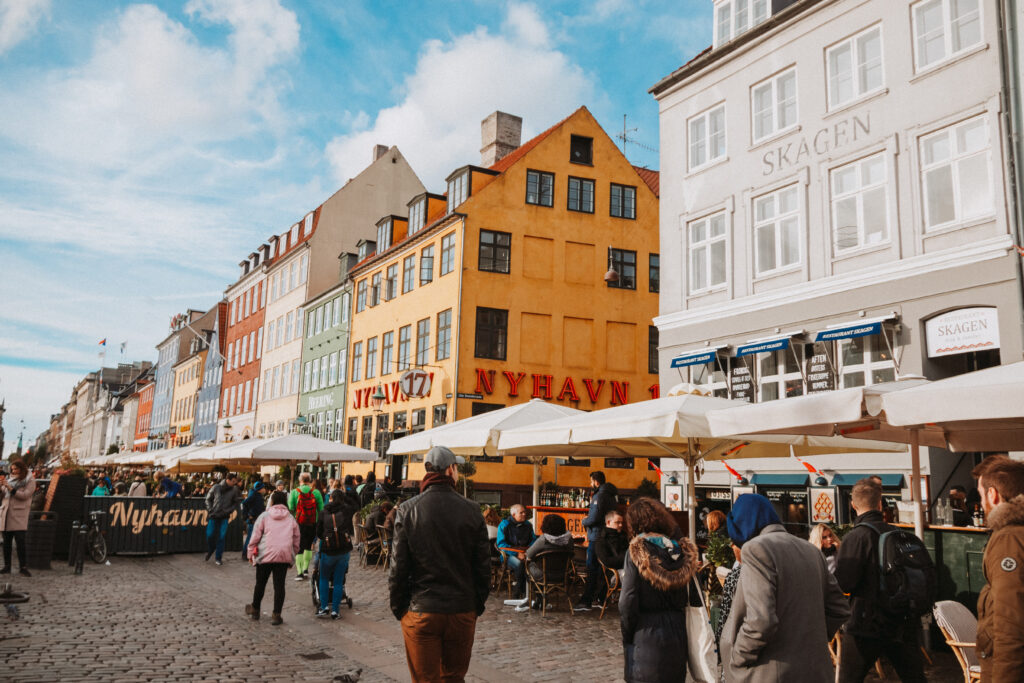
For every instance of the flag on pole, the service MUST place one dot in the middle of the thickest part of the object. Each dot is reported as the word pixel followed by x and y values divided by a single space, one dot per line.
pixel 103 342
pixel 652 466
pixel 810 468
pixel 733 472
pixel 124 346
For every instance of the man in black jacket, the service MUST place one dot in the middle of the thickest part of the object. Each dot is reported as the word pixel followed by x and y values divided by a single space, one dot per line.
pixel 440 572
pixel 601 503
pixel 221 502
pixel 869 633
pixel 612 545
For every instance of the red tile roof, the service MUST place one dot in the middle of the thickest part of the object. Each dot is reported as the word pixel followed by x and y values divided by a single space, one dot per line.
pixel 651 178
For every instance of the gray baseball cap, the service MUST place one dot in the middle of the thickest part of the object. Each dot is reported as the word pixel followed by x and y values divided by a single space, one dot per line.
pixel 442 458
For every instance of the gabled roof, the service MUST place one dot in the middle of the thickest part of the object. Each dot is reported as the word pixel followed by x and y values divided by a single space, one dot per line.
pixel 504 163
pixel 651 178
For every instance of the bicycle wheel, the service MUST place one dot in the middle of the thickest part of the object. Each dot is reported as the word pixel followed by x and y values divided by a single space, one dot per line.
pixel 97 547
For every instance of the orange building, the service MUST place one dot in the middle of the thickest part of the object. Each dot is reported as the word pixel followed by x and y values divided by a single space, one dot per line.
pixel 502 290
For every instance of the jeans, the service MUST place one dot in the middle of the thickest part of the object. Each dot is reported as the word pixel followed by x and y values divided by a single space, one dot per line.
pixel 9 538
pixel 594 589
pixel 438 647
pixel 216 531
pixel 518 569
pixel 333 569
pixel 857 656
pixel 263 572
pixel 248 535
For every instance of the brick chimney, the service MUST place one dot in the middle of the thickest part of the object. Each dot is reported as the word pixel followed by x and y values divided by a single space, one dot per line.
pixel 379 151
pixel 500 134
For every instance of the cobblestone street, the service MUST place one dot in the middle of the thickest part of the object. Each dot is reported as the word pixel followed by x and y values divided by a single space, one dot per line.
pixel 170 618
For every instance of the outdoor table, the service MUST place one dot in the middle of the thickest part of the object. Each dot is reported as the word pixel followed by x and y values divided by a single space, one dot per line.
pixel 518 549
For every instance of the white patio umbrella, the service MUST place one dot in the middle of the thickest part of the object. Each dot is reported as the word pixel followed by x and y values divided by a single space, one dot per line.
pixel 308 448
pixel 479 435
pixel 676 426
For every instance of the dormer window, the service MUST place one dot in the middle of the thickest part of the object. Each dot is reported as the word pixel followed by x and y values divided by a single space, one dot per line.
pixel 366 247
pixel 733 17
pixel 295 234
pixel 384 232
pixel 307 226
pixel 581 150
pixel 458 190
pixel 417 216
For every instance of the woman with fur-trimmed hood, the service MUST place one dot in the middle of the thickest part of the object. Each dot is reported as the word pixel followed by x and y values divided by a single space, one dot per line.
pixel 655 591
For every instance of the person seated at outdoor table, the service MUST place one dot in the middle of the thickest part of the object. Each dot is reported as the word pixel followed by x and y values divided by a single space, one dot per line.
pixel 515 534
pixel 101 488
pixel 553 536
pixel 492 518
pixel 612 543
pixel 138 487
pixel 376 518
pixel 389 521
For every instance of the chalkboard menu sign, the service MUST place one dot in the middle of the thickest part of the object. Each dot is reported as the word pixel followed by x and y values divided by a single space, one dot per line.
pixel 742 381
pixel 820 376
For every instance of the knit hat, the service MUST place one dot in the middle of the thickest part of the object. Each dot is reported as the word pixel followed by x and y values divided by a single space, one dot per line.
pixel 750 514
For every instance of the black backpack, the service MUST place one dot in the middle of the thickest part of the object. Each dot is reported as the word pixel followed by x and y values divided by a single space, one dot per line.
pixel 335 538
pixel 907 580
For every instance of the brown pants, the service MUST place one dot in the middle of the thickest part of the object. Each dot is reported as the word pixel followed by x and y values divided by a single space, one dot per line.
pixel 438 646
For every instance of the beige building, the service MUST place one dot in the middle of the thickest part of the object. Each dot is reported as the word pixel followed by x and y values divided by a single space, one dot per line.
pixel 188 376
pixel 835 206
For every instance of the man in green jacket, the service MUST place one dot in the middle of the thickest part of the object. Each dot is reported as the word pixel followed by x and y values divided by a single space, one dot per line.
pixel 305 502
pixel 1000 641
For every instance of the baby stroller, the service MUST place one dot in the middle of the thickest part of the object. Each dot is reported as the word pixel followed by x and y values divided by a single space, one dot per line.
pixel 314 580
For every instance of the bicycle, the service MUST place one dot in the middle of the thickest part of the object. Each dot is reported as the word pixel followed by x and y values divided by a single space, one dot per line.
pixel 89 540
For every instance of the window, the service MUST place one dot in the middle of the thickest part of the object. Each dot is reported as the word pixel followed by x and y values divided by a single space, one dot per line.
pixel 346 304
pixel 864 361
pixel 275 383
pixel 252 346
pixel 447 253
pixel 386 348
pixel 540 188
pixel 361 296
pixel 332 378
pixel 707 252
pixel 336 318
pixel 383 235
pixel 324 373
pixel 707 137
pixel 268 387
pixel 773 105
pixel 404 343
pixel 293 276
pixel 581 195
pixel 306 369
pixel 422 341
pixel 495 251
pixel 287 387
pixel 491 333
pixel 779 375
pixel 581 150
pixel 944 28
pixel 280 332
pixel 776 230
pixel 270 335
pixel 854 67
pixel 859 205
pixel 734 17
pixel 427 265
pixel 622 201
pixel 298 323
pixel 357 361
pixel 652 349
pixel 303 267
pixel 371 358
pixel 417 216
pixel 391 287
pixel 375 289
pixel 623 262
pixel 458 190
pixel 408 273
pixel 315 381
pixel 342 365
pixel 367 438
pixel 440 415
pixel 400 422
pixel 443 347
pixel 353 427
pixel 955 163
pixel 419 420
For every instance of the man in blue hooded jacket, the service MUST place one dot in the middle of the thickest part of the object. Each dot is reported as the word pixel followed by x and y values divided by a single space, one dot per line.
pixel 602 502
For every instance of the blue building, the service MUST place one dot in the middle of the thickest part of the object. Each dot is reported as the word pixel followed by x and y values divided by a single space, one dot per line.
pixel 208 399
pixel 185 327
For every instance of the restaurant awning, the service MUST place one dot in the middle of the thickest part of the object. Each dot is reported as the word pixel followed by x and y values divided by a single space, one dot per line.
pixel 779 480
pixel 855 328
pixel 776 343
pixel 696 357
pixel 888 480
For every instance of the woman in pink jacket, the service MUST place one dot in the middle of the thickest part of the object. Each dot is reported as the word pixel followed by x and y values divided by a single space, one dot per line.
pixel 272 548
pixel 16 491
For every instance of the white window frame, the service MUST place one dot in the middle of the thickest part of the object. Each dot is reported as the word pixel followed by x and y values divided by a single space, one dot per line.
pixel 874 345
pixel 306 370
pixel 948 53
pixel 357 361
pixel 776 223
pixel 706 139
pixel 773 84
pixel 706 244
pixel 955 159
pixel 781 376
pixel 342 366
pixel 857 66
pixel 332 377
pixel 325 374
pixel 315 376
pixel 735 28
pixel 346 305
pixel 858 194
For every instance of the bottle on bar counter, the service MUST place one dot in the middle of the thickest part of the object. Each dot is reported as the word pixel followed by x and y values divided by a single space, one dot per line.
pixel 979 516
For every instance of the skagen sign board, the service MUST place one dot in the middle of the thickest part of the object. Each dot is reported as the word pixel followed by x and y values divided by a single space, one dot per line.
pixel 742 382
pixel 962 331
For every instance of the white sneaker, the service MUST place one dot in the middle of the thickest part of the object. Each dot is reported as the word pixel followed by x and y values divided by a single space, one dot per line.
pixel 523 608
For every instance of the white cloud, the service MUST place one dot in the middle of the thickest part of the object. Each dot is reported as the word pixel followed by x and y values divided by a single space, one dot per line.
pixel 32 395
pixel 456 83
pixel 18 19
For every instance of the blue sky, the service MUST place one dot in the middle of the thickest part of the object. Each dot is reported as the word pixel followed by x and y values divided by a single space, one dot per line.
pixel 148 147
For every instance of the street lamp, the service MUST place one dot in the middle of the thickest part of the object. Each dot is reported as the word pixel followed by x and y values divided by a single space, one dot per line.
pixel 227 431
pixel 298 424
pixel 611 275
pixel 377 399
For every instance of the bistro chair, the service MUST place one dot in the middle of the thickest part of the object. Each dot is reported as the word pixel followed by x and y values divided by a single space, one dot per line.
pixel 960 629
pixel 578 566
pixel 555 570
pixel 500 573
pixel 384 556
pixel 613 586
pixel 371 544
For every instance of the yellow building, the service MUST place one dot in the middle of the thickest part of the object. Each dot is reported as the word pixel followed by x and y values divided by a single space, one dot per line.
pixel 188 375
pixel 502 291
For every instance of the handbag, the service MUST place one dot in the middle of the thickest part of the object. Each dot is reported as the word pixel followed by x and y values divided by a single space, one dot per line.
pixel 702 661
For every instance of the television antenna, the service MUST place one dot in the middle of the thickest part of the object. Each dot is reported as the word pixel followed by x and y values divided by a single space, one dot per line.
pixel 625 138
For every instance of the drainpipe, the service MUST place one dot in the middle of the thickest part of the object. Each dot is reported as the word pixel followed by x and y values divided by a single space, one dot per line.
pixel 1009 60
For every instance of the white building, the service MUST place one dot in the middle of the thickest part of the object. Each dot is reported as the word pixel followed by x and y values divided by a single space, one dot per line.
pixel 835 210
